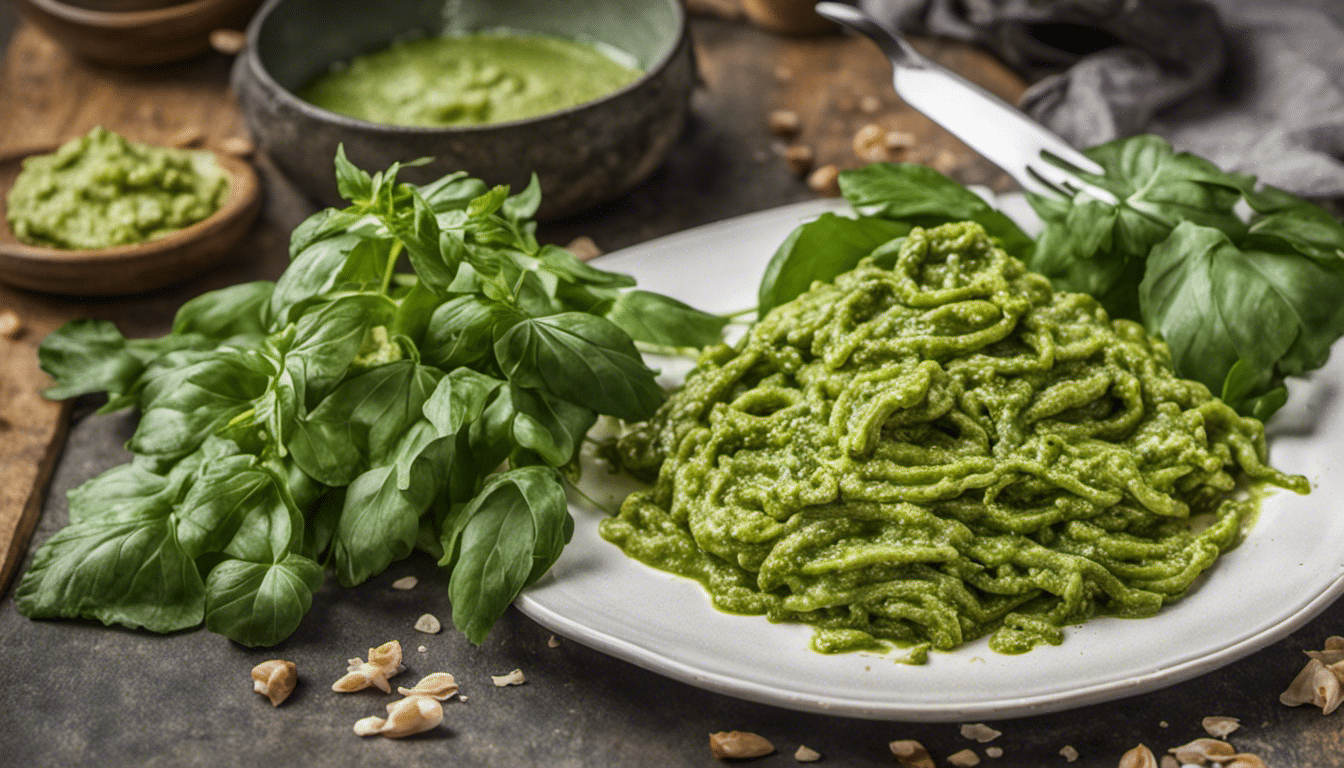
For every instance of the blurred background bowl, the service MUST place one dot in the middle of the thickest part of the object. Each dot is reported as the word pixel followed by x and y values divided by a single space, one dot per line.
pixel 583 155
pixel 135 33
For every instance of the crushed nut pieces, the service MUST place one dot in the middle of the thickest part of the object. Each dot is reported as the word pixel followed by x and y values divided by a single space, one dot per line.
pixel 799 159
pixel 1070 754
pixel 275 679
pixel 784 123
pixel 739 745
pixel 513 678
pixel 963 759
pixel 419 711
pixel 405 582
pixel 429 624
pixel 583 248
pixel 825 181
pixel 805 754
pixel 979 732
pixel 11 325
pixel 1220 727
pixel 911 754
pixel 1138 757
pixel 384 662
pixel 1321 681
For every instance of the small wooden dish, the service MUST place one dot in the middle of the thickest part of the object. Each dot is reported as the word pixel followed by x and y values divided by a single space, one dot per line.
pixel 136 36
pixel 128 268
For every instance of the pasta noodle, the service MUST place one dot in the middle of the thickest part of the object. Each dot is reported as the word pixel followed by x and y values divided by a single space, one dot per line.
pixel 939 446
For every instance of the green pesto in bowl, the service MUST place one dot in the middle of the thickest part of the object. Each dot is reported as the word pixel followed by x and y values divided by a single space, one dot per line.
pixel 470 79
pixel 101 190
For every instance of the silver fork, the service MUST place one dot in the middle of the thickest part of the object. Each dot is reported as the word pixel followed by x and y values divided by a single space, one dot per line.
pixel 986 123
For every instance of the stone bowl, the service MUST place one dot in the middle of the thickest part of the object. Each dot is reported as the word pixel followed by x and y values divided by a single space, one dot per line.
pixel 582 156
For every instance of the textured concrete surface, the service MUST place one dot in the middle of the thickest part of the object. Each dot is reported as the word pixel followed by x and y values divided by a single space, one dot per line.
pixel 78 693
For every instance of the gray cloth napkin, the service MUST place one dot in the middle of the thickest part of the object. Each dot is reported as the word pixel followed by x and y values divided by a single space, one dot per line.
pixel 1254 85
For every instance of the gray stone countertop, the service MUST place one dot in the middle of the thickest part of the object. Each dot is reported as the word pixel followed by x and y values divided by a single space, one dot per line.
pixel 78 693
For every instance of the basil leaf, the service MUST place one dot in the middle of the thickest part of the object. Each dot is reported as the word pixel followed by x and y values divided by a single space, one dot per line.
pixel 184 406
pixel 129 571
pixel 260 604
pixel 377 526
pixel 352 183
pixel 462 331
pixel 360 422
pixel 548 426
pixel 571 269
pixel 524 204
pixel 327 339
pixel 233 311
pixel 657 319
pixel 86 356
pixel 1217 305
pixel 821 250
pixel 453 192
pixel 584 359
pixel 504 539
pixel 919 195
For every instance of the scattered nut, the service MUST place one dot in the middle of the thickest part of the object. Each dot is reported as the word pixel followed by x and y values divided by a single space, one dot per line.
pixel 1333 653
pixel 994 751
pixel 911 753
pixel 806 754
pixel 1138 757
pixel 1203 750
pixel 1219 727
pixel 405 582
pixel 275 679
pixel 1316 684
pixel 870 144
pixel 825 181
pixel 237 146
pixel 1168 761
pixel 870 105
pixel 369 726
pixel 11 325
pixel 360 676
pixel 1070 754
pixel 384 662
pixel 979 732
pixel 229 42
pixel 438 686
pixel 422 649
pixel 1244 761
pixel 411 715
pixel 738 745
pixel 963 759
pixel 583 248
pixel 799 157
pixel 513 678
pixel 429 624
pixel 945 162
pixel 784 123
pixel 898 141
pixel 551 642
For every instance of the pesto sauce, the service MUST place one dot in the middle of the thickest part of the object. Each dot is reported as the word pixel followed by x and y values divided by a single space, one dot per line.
pixel 936 447
pixel 468 80
pixel 101 191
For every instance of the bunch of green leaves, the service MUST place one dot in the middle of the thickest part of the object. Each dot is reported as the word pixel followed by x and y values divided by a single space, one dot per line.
pixel 889 200
pixel 349 412
pixel 1244 282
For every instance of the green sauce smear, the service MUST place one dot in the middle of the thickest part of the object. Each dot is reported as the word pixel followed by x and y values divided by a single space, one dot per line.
pixel 939 446
pixel 101 191
pixel 468 80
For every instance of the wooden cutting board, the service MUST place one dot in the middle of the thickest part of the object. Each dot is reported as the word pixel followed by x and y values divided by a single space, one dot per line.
pixel 49 96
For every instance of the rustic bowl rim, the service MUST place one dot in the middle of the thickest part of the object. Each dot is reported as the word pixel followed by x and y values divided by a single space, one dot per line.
pixel 244 192
pixel 115 20
pixel 252 60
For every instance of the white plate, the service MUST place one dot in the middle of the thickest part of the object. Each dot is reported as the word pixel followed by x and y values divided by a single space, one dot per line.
pixel 1290 567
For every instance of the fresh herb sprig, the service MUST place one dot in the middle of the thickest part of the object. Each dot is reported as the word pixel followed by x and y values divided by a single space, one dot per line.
pixel 1244 282
pixel 350 412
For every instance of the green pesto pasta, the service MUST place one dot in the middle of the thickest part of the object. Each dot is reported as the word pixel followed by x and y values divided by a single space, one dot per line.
pixel 936 447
